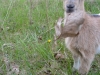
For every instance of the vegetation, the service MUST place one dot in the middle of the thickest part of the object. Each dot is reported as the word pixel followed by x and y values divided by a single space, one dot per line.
pixel 26 38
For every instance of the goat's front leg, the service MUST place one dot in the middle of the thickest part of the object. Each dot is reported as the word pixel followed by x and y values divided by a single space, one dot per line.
pixel 86 63
pixel 58 27
pixel 69 30
pixel 76 64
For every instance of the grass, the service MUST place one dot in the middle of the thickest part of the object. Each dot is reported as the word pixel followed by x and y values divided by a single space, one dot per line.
pixel 25 44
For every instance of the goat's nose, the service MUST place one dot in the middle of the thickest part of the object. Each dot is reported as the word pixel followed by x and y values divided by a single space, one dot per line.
pixel 70 6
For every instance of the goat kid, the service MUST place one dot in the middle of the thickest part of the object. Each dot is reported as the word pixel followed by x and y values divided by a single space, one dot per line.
pixel 82 34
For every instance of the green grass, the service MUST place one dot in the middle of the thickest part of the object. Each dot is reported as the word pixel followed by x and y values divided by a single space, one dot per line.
pixel 20 42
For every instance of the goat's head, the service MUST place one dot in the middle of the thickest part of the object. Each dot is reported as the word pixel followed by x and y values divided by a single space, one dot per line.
pixel 71 6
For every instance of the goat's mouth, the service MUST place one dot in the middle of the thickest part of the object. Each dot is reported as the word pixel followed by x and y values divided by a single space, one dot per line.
pixel 70 10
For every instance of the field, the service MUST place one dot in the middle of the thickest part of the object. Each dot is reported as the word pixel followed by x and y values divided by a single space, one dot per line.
pixel 26 38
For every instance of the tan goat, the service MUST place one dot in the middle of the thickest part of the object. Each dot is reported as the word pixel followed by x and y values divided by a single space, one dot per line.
pixel 82 34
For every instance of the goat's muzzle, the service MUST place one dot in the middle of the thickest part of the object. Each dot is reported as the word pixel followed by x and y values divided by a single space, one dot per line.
pixel 70 8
